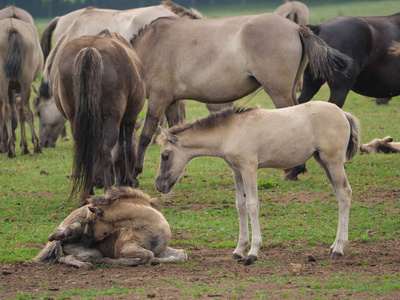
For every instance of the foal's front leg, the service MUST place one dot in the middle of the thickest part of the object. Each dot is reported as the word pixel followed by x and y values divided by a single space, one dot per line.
pixel 250 184
pixel 242 210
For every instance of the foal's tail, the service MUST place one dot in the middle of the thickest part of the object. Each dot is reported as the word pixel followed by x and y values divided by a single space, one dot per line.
pixel 323 60
pixel 354 139
pixel 51 253
pixel 88 72
pixel 45 41
pixel 12 65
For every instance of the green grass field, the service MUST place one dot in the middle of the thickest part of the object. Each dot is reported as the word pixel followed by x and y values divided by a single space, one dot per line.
pixel 34 189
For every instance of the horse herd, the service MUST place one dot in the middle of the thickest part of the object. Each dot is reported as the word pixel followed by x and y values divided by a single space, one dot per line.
pixel 105 63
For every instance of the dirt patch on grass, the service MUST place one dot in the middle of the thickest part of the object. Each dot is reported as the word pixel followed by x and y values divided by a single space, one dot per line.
pixel 211 273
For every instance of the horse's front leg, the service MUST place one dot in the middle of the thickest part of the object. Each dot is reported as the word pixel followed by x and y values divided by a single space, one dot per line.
pixel 242 211
pixel 155 110
pixel 251 193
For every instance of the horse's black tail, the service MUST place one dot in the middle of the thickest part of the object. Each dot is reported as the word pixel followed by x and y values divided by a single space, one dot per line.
pixel 12 66
pixel 51 253
pixel 323 60
pixel 45 41
pixel 88 72
pixel 354 140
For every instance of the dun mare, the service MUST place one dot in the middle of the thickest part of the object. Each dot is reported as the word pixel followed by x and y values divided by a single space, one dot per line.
pixel 21 62
pixel 251 138
pixel 224 59
pixel 375 71
pixel 121 227
pixel 99 89
pixel 90 21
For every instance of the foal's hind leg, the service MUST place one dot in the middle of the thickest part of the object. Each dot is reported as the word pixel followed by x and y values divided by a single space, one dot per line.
pixel 337 176
pixel 171 255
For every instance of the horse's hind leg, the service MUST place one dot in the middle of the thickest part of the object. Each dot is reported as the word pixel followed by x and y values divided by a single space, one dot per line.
pixel 171 255
pixel 334 170
pixel 109 139
pixel 6 114
pixel 126 158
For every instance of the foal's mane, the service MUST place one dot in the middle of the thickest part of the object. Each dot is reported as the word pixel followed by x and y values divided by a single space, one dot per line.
pixel 115 193
pixel 213 119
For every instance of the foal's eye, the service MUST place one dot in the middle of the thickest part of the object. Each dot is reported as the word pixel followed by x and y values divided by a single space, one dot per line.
pixel 164 156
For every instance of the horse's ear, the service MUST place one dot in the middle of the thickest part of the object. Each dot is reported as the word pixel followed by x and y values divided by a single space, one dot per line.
pixel 173 139
pixel 35 90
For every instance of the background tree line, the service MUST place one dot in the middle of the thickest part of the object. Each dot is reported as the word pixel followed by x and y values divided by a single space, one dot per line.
pixel 52 8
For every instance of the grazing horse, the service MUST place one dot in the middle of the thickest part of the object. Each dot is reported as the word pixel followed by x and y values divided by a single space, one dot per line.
pixel 295 11
pixel 91 21
pixel 375 71
pixel 122 227
pixel 224 59
pixel 257 138
pixel 99 89
pixel 21 62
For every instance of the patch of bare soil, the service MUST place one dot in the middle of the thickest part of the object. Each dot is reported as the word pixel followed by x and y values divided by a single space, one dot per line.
pixel 211 273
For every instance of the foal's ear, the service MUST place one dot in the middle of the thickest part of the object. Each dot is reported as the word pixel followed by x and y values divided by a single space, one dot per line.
pixel 173 139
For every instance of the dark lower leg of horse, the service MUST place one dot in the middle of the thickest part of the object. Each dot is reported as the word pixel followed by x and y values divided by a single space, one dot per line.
pixel 64 136
pixel 6 111
pixel 129 156
pixel 291 174
pixel 35 140
pixel 173 114
pixel 145 139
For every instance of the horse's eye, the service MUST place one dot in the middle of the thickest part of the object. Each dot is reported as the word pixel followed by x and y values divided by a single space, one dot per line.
pixel 105 233
pixel 164 156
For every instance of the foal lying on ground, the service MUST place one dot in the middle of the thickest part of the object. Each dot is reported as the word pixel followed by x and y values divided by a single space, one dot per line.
pixel 250 138
pixel 121 227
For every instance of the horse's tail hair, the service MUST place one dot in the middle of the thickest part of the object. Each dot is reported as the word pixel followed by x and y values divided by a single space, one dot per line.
pixel 323 59
pixel 12 66
pixel 88 72
pixel 354 140
pixel 45 41
pixel 51 253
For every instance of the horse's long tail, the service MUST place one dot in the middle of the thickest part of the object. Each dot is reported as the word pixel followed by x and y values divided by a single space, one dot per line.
pixel 88 72
pixel 12 66
pixel 51 253
pixel 323 60
pixel 45 41
pixel 354 139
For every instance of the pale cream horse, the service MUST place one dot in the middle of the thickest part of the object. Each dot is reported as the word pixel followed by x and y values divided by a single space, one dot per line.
pixel 252 138
pixel 121 227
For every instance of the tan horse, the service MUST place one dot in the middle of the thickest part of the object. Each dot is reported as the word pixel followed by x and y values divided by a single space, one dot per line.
pixel 136 233
pixel 91 21
pixel 99 89
pixel 21 62
pixel 252 138
pixel 295 11
pixel 224 59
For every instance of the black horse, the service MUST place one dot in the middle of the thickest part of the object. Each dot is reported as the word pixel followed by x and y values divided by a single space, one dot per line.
pixel 375 71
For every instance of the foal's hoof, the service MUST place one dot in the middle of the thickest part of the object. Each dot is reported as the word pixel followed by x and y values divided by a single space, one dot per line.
pixel 250 260
pixel 236 256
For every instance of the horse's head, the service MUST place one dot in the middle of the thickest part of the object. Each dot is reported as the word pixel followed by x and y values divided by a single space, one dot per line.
pixel 51 122
pixel 97 228
pixel 173 161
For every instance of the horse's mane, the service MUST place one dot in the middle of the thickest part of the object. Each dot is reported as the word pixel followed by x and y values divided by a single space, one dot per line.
pixel 142 30
pixel 213 119
pixel 119 193
pixel 181 11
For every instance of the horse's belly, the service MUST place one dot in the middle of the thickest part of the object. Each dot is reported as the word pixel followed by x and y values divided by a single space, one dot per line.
pixel 285 158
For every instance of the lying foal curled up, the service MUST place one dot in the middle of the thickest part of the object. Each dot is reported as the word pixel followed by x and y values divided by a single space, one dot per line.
pixel 251 138
pixel 121 227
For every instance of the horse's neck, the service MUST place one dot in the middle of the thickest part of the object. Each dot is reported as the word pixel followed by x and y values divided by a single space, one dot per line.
pixel 203 143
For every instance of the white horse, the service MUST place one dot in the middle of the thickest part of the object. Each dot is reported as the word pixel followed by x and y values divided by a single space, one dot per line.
pixel 251 138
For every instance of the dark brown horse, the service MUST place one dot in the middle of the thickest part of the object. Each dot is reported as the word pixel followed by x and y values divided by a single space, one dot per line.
pixel 99 89
pixel 375 71
pixel 21 61
pixel 224 59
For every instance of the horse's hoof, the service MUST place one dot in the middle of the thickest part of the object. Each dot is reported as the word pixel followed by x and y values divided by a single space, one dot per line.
pixel 135 183
pixel 236 256
pixel 336 254
pixel 65 139
pixel 11 154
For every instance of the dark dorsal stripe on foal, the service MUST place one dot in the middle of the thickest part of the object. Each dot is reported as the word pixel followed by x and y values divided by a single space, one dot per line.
pixel 213 119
